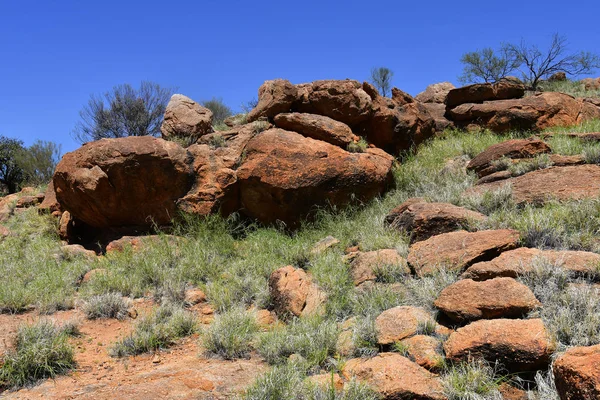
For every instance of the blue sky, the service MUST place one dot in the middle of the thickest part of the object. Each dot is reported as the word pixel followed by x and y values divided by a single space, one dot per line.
pixel 54 54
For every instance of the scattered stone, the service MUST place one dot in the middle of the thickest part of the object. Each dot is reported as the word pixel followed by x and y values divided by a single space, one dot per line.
pixel 50 205
pixel 425 351
pixel 519 345
pixel 458 250
pixel 520 261
pixel 423 220
pixel 482 164
pixel 345 343
pixel 91 274
pixel 4 232
pixel 591 83
pixel 30 201
pixel 509 392
pixel 559 183
pixel 194 296
pixel 274 97
pixel 324 244
pixel 469 300
pixel 395 377
pixel 285 176
pixel 435 93
pixel 364 266
pixel 327 381
pixel 577 373
pixel 127 182
pixel 7 203
pixel 558 160
pixel 293 292
pixel 494 177
pixel 77 250
pixel 317 127
pixel 480 92
pixel 186 119
pixel 400 323
pixel 265 318
pixel 137 243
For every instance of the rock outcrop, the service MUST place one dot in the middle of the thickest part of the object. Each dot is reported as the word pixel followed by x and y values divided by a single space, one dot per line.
pixel 482 164
pixel 316 127
pixel 400 323
pixel 577 373
pixel 185 119
pixel 435 93
pixel 480 92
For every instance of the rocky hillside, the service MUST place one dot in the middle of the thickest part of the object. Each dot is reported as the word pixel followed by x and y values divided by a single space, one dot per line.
pixel 333 243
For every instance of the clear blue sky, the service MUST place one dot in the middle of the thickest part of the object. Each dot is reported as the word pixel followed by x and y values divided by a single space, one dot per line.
pixel 54 54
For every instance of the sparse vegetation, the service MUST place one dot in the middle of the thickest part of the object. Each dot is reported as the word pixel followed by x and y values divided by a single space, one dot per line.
pixel 475 380
pixel 231 335
pixel 358 147
pixel 381 77
pixel 41 351
pixel 107 305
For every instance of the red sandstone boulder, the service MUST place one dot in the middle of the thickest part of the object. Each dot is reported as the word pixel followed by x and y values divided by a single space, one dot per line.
pixel 274 97
pixel 519 345
pixel 395 377
pixel 50 205
pixel 521 261
pixel 401 97
pixel 285 176
pixel 400 323
pixel 316 127
pixel 294 293
pixel 482 164
pixel 458 250
pixel 577 373
pixel 591 83
pixel 424 350
pixel 435 93
pixel 365 266
pixel 480 92
pixel 422 220
pixel 184 118
pixel 468 300
pixel 438 113
pixel 133 181
pixel 532 113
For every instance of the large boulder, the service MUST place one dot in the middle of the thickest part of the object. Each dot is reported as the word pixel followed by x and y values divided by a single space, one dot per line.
pixel 480 92
pixel 186 119
pixel 458 250
pixel 342 100
pixel 286 176
pixel 294 293
pixel 438 113
pixel 50 205
pixel 365 266
pixel 468 300
pixel 518 262
pixel 395 377
pixel 316 127
pixel 518 345
pixel 482 164
pixel 534 113
pixel 574 182
pixel 126 182
pixel 435 93
pixel 274 97
pixel 422 220
pixel 396 128
pixel 401 97
pixel 577 373
pixel 591 83
pixel 424 350
pixel 400 323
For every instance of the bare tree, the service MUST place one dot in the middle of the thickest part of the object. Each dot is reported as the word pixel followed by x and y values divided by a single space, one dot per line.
pixel 124 111
pixel 487 66
pixel 381 78
pixel 537 64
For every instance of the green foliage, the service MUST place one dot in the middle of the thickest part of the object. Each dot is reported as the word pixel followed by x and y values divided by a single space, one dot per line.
pixel 381 78
pixel 486 65
pixel 11 172
pixel 475 380
pixel 42 351
pixel 156 331
pixel 359 147
pixel 124 111
pixel 38 162
pixel 219 109
pixel 107 305
pixel 231 334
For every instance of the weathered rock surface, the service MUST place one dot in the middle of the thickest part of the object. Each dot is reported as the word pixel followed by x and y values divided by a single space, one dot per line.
pixel 137 243
pixel 184 118
pixel 469 300
pixel 591 83
pixel 482 164
pixel 395 377
pixel 458 250
pixel 532 113
pixel 577 373
pixel 316 127
pixel 364 266
pixel 424 350
pixel 324 244
pixel 520 261
pixel 558 183
pixel 274 97
pixel 50 205
pixel 286 176
pixel 8 203
pixel 294 293
pixel 480 92
pixel 422 220
pixel 29 201
pixel 133 181
pixel 519 345
pixel 435 93
pixel 400 323
pixel 438 113
pixel 401 97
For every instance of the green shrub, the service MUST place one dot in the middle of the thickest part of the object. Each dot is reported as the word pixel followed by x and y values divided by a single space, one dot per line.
pixel 358 147
pixel 108 305
pixel 231 334
pixel 475 380
pixel 42 351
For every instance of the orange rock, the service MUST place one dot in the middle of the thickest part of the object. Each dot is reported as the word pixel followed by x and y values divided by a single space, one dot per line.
pixel 365 265
pixel 184 118
pixel 468 300
pixel 424 350
pixel 327 381
pixel 480 92
pixel 399 323
pixel 293 292
pixel 458 250
pixel 519 345
pixel 316 127
pixel 577 373
pixel 274 97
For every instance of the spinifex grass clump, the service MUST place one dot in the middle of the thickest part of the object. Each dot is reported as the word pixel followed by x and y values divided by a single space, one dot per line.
pixel 231 334
pixel 156 331
pixel 108 305
pixel 41 351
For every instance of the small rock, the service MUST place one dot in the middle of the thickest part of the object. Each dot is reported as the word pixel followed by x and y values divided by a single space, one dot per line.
pixel 577 373
pixel 364 266
pixel 424 350
pixel 324 244
pixel 184 118
pixel 74 250
pixel 327 381
pixel 194 296
pixel 400 323
pixel 293 292
pixel 92 274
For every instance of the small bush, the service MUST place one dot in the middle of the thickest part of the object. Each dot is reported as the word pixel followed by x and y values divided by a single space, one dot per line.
pixel 490 201
pixel 475 380
pixel 541 161
pixel 157 331
pixel 42 351
pixel 217 140
pixel 545 389
pixel 231 334
pixel 592 155
pixel 358 147
pixel 109 305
